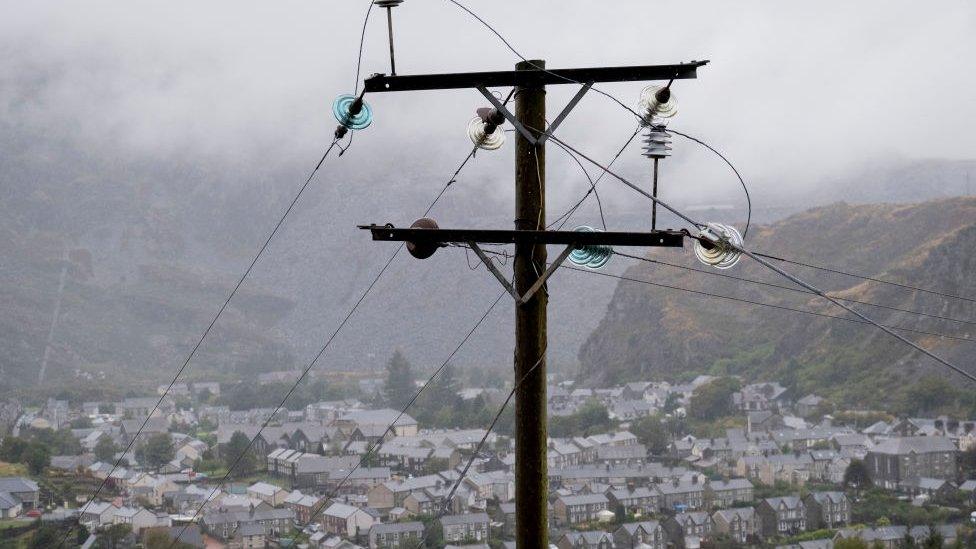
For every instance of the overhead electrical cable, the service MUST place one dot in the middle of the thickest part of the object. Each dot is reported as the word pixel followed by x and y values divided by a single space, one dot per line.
pixel 866 277
pixel 375 446
pixel 474 455
pixel 768 265
pixel 732 298
pixel 791 288
pixel 315 359
pixel 745 188
pixel 620 103
pixel 568 214
pixel 207 331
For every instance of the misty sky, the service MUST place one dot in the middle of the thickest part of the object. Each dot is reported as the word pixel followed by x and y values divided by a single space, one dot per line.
pixel 794 92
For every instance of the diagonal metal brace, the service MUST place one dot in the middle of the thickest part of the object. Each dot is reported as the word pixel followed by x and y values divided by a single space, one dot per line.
pixel 545 276
pixel 519 300
pixel 494 270
pixel 565 112
pixel 508 115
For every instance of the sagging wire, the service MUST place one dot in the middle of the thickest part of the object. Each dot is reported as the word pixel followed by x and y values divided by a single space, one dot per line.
pixel 445 507
pixel 704 293
pixel 450 182
pixel 379 442
pixel 865 277
pixel 791 288
pixel 206 332
pixel 707 234
pixel 742 181
pixel 565 217
pixel 620 103
pixel 533 65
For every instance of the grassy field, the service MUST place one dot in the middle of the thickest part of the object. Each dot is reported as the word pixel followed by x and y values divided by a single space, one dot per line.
pixel 12 469
pixel 12 523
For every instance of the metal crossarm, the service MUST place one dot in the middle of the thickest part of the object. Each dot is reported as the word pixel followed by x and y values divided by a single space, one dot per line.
pixel 667 239
pixel 531 77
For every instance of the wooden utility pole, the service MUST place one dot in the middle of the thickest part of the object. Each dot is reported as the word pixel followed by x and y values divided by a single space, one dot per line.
pixel 530 237
pixel 531 478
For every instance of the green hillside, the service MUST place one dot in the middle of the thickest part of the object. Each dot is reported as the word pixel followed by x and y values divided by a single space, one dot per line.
pixel 652 333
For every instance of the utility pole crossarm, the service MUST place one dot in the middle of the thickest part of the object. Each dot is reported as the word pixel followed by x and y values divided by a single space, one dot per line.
pixel 531 77
pixel 665 239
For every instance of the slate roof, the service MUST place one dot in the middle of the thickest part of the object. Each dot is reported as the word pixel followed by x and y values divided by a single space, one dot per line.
pixel 584 499
pixel 918 445
pixel 8 501
pixel 791 502
pixel 383 417
pixel 833 497
pixel 470 518
pixel 17 484
pixel 647 525
pixel 731 484
pixel 744 513
pixel 394 527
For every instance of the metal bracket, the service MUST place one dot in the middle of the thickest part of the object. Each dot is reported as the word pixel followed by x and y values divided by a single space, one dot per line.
pixel 552 127
pixel 565 112
pixel 545 276
pixel 519 300
pixel 494 270
pixel 507 114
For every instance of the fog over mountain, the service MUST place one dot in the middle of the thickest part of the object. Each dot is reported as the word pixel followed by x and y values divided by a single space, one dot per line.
pixel 164 139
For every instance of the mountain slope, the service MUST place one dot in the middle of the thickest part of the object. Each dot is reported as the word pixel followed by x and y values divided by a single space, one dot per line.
pixel 653 332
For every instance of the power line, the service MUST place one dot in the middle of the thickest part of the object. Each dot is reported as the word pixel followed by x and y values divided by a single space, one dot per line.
pixel 592 188
pixel 362 40
pixel 781 272
pixel 376 445
pixel 474 455
pixel 537 67
pixel 569 213
pixel 736 299
pixel 292 389
pixel 860 315
pixel 206 332
pixel 322 350
pixel 704 144
pixel 791 288
pixel 864 277
pixel 745 188
pixel 430 380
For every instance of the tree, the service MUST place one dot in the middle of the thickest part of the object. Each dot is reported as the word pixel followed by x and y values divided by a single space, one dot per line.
pixel 714 399
pixel 651 433
pixel 37 457
pixel 850 543
pixel 591 417
pixel 928 394
pixel 83 422
pixel 13 448
pixel 934 540
pixel 114 537
pixel 105 449
pixel 444 390
pixel 204 396
pixel 157 451
pixel 857 476
pixel 237 450
pixel 399 387
pixel 51 534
